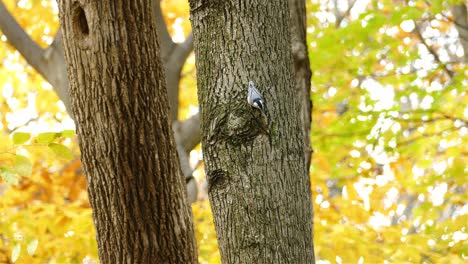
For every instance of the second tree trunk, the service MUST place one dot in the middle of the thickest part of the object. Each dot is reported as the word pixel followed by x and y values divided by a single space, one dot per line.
pixel 258 179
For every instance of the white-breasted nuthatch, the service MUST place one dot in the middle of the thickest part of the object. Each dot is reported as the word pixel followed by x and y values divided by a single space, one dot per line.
pixel 255 99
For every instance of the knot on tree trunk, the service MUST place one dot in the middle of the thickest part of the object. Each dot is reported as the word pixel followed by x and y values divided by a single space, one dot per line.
pixel 217 179
pixel 239 126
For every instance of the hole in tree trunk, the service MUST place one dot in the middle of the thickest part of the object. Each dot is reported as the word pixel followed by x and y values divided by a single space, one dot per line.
pixel 80 21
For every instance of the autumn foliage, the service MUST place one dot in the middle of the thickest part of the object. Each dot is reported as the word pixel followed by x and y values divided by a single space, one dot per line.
pixel 390 132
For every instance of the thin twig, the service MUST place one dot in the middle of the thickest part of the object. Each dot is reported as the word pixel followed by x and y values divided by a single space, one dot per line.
pixel 345 14
pixel 10 131
pixel 432 51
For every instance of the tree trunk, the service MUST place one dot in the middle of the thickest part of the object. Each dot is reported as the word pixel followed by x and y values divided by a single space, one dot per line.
pixel 302 72
pixel 460 17
pixel 258 180
pixel 120 104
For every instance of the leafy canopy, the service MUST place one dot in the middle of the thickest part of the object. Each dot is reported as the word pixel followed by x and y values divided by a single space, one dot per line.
pixel 389 134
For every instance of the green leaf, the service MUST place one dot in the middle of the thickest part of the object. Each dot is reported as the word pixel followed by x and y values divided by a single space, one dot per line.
pixel 61 151
pixel 47 137
pixel 32 246
pixel 68 133
pixel 8 175
pixel 23 165
pixel 436 6
pixel 20 137
pixel 15 253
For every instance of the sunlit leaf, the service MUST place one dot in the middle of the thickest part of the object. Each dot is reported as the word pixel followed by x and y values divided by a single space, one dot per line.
pixel 20 137
pixel 23 165
pixel 15 253
pixel 68 133
pixel 47 137
pixel 8 175
pixel 61 151
pixel 32 246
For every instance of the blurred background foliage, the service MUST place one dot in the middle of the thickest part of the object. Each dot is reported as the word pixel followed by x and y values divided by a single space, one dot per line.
pixel 390 125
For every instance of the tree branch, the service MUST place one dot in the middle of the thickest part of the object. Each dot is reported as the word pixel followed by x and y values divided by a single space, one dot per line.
pixel 187 133
pixel 460 19
pixel 181 52
pixel 50 63
pixel 56 72
pixel 174 63
pixel 20 40
pixel 426 135
pixel 167 45
pixel 432 51
pixel 341 17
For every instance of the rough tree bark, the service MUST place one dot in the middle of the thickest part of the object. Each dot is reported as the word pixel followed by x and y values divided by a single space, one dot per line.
pixel 120 105
pixel 50 63
pixel 302 72
pixel 258 181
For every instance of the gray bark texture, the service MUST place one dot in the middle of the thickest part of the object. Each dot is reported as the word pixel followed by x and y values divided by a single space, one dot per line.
pixel 258 181
pixel 120 105
pixel 302 72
